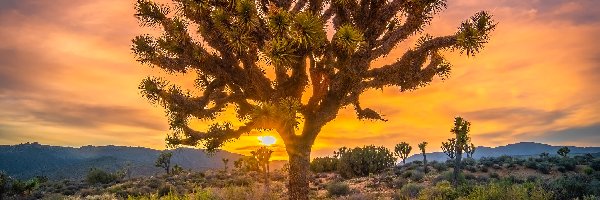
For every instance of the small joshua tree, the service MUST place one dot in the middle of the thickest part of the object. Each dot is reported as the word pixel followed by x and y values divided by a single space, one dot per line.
pixel 402 150
pixel 455 147
pixel 422 147
pixel 164 161
pixel 564 151
pixel 225 162
pixel 470 150
pixel 262 155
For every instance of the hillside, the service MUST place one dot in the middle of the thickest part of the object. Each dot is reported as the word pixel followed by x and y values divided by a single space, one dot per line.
pixel 517 149
pixel 55 162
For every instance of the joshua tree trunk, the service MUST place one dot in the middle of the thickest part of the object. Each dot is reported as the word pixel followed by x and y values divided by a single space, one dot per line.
pixel 457 167
pixel 425 163
pixel 299 170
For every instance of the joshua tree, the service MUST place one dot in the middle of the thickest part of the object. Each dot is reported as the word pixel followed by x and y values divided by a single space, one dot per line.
pixel 164 161
pixel 230 45
pixel 402 150
pixel 461 132
pixel 448 148
pixel 563 151
pixel 544 155
pixel 470 150
pixel 262 155
pixel 225 162
pixel 422 146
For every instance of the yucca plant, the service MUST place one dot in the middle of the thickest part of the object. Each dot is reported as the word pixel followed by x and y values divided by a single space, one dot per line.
pixel 230 45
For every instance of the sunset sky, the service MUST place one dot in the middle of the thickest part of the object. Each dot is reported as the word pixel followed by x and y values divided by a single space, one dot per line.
pixel 68 77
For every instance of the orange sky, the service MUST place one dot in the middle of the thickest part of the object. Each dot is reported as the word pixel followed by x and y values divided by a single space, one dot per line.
pixel 67 77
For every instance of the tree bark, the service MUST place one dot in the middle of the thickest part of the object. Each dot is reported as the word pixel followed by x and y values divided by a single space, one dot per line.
pixel 299 169
pixel 425 163
pixel 457 167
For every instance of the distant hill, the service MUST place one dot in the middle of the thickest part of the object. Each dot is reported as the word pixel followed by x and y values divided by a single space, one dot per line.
pixel 33 159
pixel 518 149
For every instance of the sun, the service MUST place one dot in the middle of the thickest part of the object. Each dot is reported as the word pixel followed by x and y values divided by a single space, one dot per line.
pixel 267 140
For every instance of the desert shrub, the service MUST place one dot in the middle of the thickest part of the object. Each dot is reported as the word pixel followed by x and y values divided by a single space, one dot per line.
pixel 544 167
pixel 338 189
pixel 484 169
pixel 358 196
pixel 498 190
pixel 20 187
pixel 595 164
pixel 4 183
pixel 588 170
pixel 496 166
pixel 574 186
pixel 417 176
pixel 96 176
pixel 364 161
pixel 407 174
pixel 531 164
pixel 471 169
pixel 567 164
pixel 589 197
pixel 494 175
pixel 324 164
pixel 440 167
pixel 441 190
pixel 408 191
pixel 468 162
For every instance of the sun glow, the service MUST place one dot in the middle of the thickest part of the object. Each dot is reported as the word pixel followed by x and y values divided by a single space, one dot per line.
pixel 267 140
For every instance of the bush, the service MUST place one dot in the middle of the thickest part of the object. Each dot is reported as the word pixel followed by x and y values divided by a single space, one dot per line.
pixel 409 191
pixel 497 190
pixel 588 170
pixel 338 189
pixel 441 190
pixel 96 176
pixel 417 176
pixel 568 164
pixel 544 168
pixel 595 164
pixel 324 164
pixel 440 167
pixel 494 175
pixel 364 161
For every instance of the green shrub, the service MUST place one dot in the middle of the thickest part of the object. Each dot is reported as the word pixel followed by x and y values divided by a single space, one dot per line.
pixel 96 176
pixel 338 189
pixel 595 164
pixel 503 191
pixel 544 168
pixel 324 164
pixel 494 175
pixel 567 164
pixel 440 167
pixel 417 176
pixel 441 190
pixel 588 170
pixel 364 161
pixel 409 191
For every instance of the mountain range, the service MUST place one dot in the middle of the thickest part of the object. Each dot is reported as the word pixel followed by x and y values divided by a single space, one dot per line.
pixel 518 149
pixel 56 162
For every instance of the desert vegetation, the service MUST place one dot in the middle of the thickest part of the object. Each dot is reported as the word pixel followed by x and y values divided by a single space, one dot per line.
pixel 368 172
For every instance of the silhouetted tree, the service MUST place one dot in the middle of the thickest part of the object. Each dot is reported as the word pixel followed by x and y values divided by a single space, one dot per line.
pixel 164 161
pixel 422 147
pixel 235 42
pixel 461 132
pixel 563 151
pixel 402 150
pixel 225 162
pixel 470 150
pixel 262 155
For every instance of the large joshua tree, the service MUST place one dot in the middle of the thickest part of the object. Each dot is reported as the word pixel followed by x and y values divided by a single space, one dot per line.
pixel 264 56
